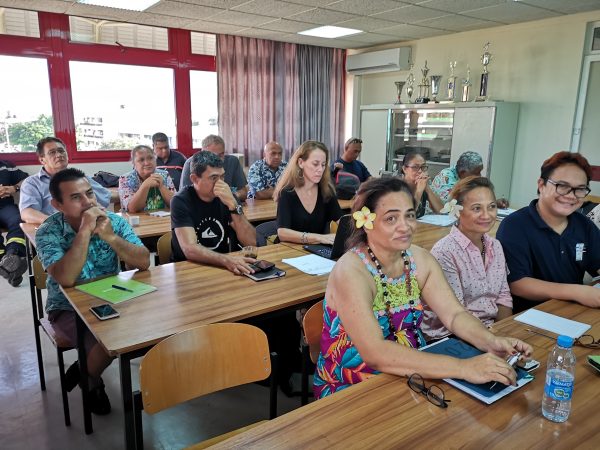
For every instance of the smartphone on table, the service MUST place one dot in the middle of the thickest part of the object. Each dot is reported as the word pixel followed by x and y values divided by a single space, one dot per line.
pixel 262 266
pixel 104 312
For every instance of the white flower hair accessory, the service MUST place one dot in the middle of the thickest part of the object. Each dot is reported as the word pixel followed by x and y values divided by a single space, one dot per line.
pixel 452 208
pixel 364 218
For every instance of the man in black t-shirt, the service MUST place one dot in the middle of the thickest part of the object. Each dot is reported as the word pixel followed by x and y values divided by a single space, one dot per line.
pixel 207 221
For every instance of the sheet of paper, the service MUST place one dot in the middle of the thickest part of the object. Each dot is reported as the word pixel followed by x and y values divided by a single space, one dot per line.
pixel 116 289
pixel 503 212
pixel 160 213
pixel 553 323
pixel 437 219
pixel 311 264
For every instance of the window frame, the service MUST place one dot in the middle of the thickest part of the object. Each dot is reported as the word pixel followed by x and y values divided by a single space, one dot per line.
pixel 55 46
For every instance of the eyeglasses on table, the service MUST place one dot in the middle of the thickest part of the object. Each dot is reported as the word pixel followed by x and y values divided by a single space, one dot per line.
pixel 433 393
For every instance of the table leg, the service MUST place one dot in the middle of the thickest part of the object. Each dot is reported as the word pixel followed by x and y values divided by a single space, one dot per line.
pixel 82 355
pixel 127 394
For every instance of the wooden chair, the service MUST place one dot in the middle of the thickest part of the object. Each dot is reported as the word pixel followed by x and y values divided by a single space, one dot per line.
pixel 37 282
pixel 200 361
pixel 312 328
pixel 163 248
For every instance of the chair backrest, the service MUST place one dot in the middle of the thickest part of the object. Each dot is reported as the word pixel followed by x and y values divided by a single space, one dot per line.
pixel 39 274
pixel 264 231
pixel 313 328
pixel 163 248
pixel 202 360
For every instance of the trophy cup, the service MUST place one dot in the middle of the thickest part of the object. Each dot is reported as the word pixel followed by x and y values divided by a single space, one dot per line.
pixel 435 87
pixel 466 86
pixel 452 82
pixel 486 58
pixel 424 86
pixel 409 84
pixel 399 87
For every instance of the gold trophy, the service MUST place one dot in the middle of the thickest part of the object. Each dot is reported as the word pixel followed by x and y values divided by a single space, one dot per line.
pixel 399 87
pixel 409 84
pixel 424 86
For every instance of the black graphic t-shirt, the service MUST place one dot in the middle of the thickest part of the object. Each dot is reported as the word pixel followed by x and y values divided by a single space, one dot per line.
pixel 210 221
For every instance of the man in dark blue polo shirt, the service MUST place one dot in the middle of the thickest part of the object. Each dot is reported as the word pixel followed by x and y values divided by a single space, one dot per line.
pixel 349 162
pixel 548 245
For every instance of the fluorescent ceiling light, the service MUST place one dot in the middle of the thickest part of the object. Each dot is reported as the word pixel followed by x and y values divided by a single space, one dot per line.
pixel 330 32
pixel 133 5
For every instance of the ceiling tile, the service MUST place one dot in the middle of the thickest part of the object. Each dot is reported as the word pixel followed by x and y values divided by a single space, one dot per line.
pixel 240 18
pixel 512 12
pixel 409 14
pixel 57 6
pixel 365 7
pixel 366 24
pixel 272 8
pixel 322 16
pixel 287 26
pixel 457 6
pixel 412 31
pixel 456 22
pixel 224 4
pixel 370 38
pixel 160 20
pixel 213 27
pixel 183 10
pixel 260 34
pixel 313 3
pixel 567 7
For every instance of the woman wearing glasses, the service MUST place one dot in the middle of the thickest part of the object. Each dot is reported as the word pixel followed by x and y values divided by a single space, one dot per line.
pixel 414 171
pixel 473 262
pixel 373 304
pixel 548 245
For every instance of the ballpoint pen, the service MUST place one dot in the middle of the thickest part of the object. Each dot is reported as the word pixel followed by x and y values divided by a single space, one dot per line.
pixel 121 288
pixel 511 361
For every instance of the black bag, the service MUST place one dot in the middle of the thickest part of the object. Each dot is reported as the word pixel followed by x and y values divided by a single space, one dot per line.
pixel 106 179
pixel 346 185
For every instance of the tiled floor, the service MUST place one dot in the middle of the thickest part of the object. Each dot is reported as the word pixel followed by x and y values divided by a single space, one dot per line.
pixel 32 419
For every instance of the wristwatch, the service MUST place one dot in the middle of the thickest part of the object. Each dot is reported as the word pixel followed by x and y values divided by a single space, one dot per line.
pixel 237 210
pixel 17 187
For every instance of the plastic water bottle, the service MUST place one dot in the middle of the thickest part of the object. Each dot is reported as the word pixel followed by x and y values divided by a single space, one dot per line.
pixel 560 377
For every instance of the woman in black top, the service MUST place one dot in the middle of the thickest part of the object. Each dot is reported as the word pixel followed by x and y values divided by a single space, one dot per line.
pixel 306 198
pixel 414 171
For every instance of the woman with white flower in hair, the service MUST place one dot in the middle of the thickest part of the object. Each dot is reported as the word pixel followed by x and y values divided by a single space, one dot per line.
pixel 374 302
pixel 472 261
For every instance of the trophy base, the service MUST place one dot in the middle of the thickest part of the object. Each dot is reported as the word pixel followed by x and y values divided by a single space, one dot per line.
pixel 480 98
pixel 422 100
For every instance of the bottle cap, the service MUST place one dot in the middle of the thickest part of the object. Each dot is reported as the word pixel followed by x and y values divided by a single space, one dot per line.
pixel 565 341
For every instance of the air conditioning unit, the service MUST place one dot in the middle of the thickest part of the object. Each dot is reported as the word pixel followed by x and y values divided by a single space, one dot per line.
pixel 380 61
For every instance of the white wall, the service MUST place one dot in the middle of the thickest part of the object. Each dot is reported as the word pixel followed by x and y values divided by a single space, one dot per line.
pixel 537 64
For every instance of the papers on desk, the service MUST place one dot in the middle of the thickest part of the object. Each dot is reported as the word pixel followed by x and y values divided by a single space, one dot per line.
pixel 553 323
pixel 160 213
pixel 488 393
pixel 311 264
pixel 504 212
pixel 116 289
pixel 437 219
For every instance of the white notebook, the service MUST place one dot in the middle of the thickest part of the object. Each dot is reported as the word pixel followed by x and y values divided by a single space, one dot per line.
pixel 553 323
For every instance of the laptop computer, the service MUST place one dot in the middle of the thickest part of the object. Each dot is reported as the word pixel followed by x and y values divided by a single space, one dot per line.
pixel 334 252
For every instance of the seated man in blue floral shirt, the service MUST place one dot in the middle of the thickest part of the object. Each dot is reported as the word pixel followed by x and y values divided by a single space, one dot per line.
pixel 80 242
pixel 264 173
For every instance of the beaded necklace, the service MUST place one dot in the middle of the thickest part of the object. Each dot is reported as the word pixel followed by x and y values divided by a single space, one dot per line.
pixel 483 249
pixel 388 304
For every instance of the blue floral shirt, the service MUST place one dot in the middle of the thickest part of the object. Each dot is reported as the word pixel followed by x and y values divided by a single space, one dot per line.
pixel 55 237
pixel 443 183
pixel 261 176
pixel 131 182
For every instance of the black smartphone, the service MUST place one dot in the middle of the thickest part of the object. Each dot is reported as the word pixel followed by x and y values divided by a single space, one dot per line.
pixel 104 312
pixel 262 266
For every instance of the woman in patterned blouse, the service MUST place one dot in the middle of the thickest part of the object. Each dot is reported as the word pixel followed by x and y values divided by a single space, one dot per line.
pixel 473 262
pixel 373 302
pixel 145 187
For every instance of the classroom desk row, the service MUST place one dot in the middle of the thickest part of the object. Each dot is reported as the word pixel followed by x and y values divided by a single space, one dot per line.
pixel 383 412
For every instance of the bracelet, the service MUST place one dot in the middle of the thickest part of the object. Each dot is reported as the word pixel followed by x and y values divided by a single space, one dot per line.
pixel 304 238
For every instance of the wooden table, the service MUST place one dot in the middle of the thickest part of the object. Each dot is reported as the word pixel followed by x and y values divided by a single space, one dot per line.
pixel 383 412
pixel 189 295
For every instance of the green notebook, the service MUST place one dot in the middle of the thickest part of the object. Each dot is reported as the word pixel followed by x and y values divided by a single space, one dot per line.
pixel 115 290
